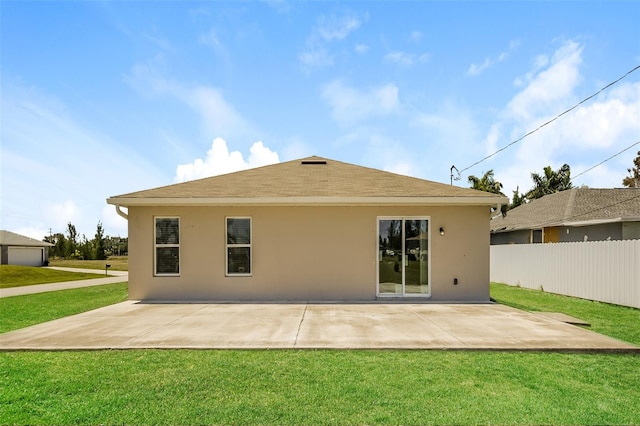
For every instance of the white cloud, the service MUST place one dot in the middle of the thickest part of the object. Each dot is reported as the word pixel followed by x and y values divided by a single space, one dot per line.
pixel 398 57
pixel 314 58
pixel 210 39
pixel 450 132
pixel 116 224
pixel 404 58
pixel 218 116
pixel 56 169
pixel 329 29
pixel 477 69
pixel 416 36
pixel 401 168
pixel 220 161
pixel 350 105
pixel 550 89
pixel 581 138
pixel 63 213
pixel 361 48
pixel 337 27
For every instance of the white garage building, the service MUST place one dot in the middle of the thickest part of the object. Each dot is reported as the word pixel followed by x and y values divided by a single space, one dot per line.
pixel 17 249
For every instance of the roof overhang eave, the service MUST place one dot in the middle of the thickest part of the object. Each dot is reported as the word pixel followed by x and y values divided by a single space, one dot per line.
pixel 308 201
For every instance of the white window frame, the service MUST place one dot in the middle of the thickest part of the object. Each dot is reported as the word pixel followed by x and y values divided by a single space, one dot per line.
pixel 404 295
pixel 156 246
pixel 227 246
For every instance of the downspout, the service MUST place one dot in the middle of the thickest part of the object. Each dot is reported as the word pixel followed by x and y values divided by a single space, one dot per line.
pixel 122 214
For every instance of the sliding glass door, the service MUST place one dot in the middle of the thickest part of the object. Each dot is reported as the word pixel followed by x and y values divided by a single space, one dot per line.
pixel 403 256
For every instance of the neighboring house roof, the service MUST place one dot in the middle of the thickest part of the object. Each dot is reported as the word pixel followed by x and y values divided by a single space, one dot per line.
pixel 8 238
pixel 312 180
pixel 573 207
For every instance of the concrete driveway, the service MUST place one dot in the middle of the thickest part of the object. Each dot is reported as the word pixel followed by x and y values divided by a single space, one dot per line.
pixel 130 325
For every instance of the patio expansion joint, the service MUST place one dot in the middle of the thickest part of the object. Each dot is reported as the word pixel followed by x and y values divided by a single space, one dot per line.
pixel 435 324
pixel 295 342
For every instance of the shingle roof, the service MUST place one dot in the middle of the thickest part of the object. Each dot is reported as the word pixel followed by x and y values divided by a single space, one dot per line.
pixel 8 238
pixel 573 207
pixel 305 179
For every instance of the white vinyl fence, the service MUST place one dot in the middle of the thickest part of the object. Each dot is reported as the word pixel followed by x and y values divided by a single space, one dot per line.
pixel 607 271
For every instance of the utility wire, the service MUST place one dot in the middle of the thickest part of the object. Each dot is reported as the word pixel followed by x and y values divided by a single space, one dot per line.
pixel 604 161
pixel 550 121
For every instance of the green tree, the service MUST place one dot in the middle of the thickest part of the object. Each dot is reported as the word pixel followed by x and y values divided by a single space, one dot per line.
pixel 99 243
pixel 72 240
pixel 633 180
pixel 517 199
pixel 550 182
pixel 59 243
pixel 85 249
pixel 488 183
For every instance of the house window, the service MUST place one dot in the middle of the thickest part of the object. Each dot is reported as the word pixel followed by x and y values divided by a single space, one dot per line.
pixel 238 246
pixel 167 246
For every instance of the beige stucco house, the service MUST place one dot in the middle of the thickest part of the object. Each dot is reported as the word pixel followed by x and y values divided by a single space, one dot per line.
pixel 310 229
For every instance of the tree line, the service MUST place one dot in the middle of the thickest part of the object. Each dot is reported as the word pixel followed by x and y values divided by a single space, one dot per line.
pixel 69 245
pixel 549 182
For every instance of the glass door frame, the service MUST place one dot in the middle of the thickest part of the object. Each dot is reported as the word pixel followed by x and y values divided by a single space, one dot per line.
pixel 404 294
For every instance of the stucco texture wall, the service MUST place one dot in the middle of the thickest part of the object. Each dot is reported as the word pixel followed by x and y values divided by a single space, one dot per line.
pixel 305 253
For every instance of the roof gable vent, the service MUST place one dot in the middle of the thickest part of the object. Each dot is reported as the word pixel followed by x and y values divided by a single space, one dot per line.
pixel 316 162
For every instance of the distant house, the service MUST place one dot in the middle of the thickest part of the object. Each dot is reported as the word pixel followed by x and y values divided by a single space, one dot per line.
pixel 578 214
pixel 17 249
pixel 309 229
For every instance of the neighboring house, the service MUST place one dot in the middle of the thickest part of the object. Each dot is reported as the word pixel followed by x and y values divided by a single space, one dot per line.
pixel 17 249
pixel 578 214
pixel 309 229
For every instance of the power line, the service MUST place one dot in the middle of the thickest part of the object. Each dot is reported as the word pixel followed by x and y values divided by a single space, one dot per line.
pixel 604 161
pixel 550 121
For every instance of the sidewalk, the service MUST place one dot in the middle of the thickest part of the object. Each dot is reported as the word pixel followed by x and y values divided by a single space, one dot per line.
pixel 114 277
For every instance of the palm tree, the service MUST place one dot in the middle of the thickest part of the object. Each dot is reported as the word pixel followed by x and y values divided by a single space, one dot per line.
pixel 633 180
pixel 487 183
pixel 550 182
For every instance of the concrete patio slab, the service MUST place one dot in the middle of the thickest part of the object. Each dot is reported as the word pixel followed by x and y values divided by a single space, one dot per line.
pixel 134 325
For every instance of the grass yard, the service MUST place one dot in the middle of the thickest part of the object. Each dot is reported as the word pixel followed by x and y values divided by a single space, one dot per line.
pixel 616 321
pixel 317 387
pixel 17 276
pixel 118 263
pixel 22 311
pixel 320 387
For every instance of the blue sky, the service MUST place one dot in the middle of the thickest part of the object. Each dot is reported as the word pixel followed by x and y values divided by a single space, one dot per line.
pixel 104 98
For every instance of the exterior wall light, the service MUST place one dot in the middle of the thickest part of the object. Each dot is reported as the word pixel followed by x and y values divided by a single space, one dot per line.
pixel 441 230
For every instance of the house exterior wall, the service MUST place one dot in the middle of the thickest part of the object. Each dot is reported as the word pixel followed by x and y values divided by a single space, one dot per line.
pixel 4 254
pixel 569 234
pixel 305 253
pixel 601 232
pixel 514 237
pixel 631 230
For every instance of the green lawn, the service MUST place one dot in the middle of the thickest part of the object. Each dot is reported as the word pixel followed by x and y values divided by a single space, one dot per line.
pixel 616 321
pixel 118 263
pixel 322 386
pixel 17 276
pixel 22 311
pixel 300 387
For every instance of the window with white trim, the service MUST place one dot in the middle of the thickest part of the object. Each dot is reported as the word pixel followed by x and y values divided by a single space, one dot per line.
pixel 238 247
pixel 167 246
